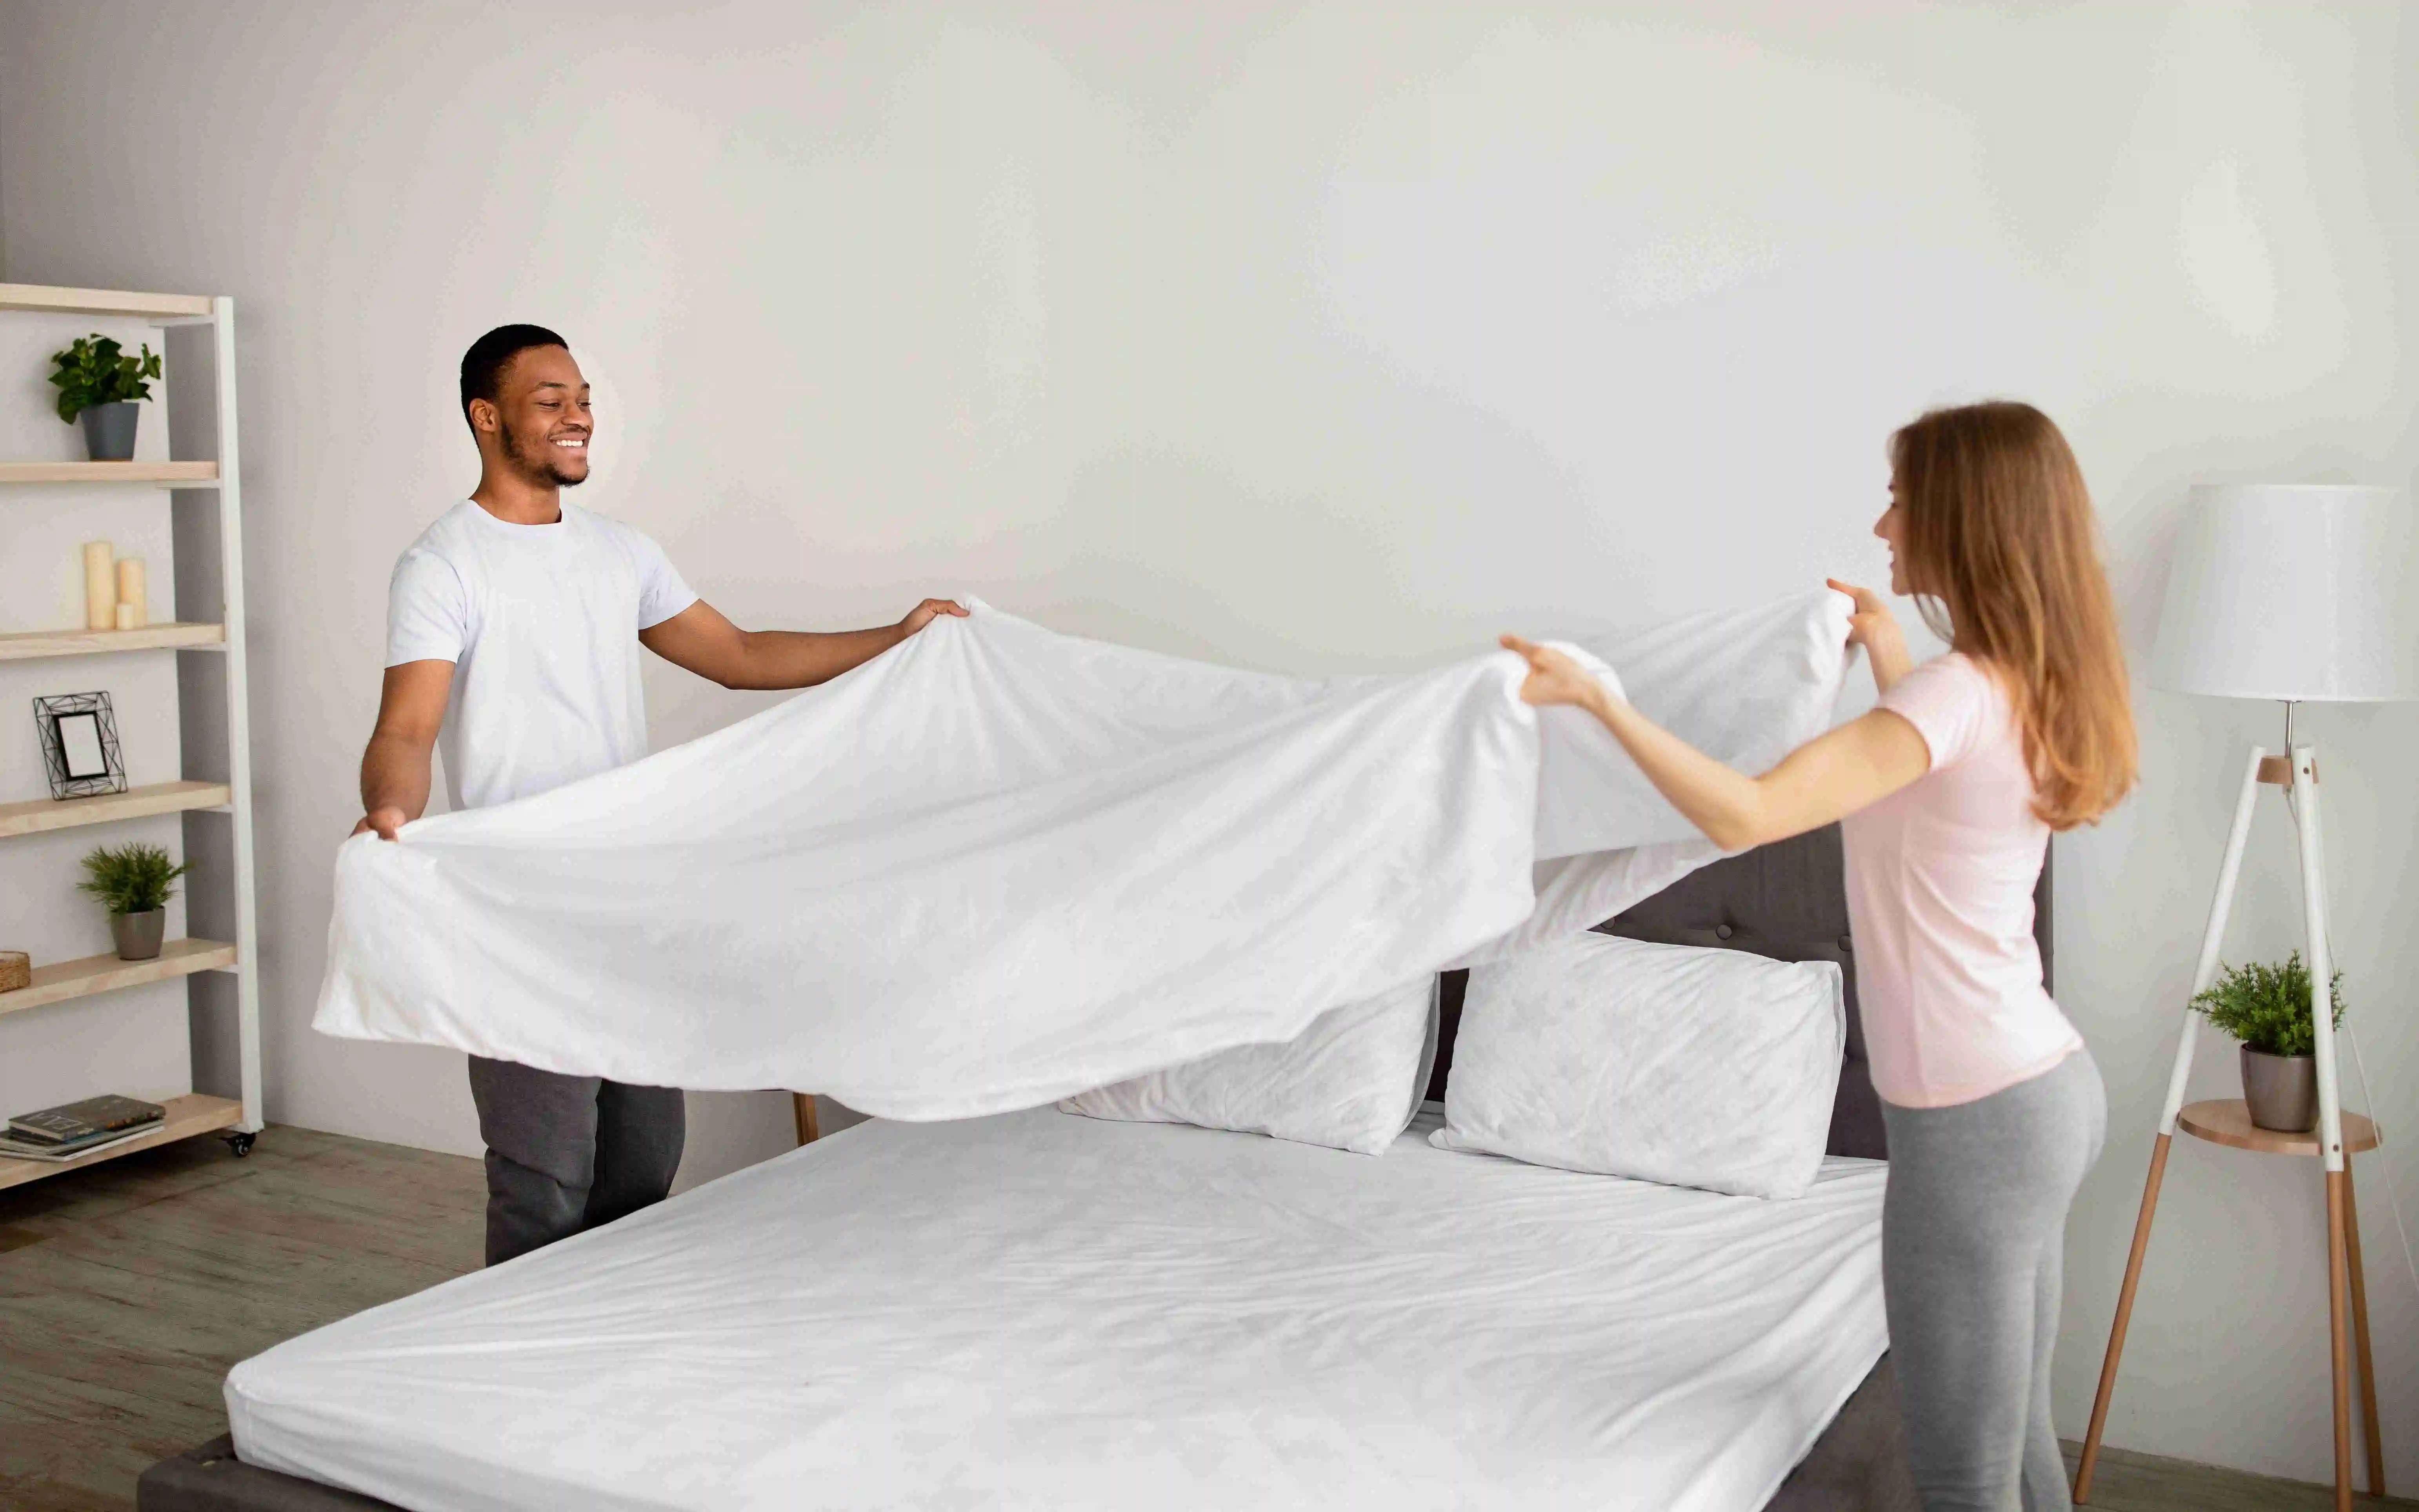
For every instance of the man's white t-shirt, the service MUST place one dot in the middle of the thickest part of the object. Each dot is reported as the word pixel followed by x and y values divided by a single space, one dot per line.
pixel 541 622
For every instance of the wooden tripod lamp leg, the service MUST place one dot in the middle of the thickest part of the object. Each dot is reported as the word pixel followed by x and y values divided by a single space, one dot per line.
pixel 2315 951
pixel 2360 1356
pixel 2336 1310
pixel 802 1108
pixel 2124 1317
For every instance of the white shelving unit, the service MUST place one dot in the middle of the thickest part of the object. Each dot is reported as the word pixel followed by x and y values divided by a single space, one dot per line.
pixel 58 985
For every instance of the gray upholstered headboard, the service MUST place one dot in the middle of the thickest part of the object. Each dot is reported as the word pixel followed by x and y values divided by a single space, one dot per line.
pixel 1788 900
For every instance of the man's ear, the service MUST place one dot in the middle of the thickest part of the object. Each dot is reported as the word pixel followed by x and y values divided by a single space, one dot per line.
pixel 485 417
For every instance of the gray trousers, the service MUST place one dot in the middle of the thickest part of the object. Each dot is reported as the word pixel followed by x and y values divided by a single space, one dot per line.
pixel 1973 1235
pixel 567 1154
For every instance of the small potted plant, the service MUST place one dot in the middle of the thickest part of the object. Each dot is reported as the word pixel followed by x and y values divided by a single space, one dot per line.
pixel 133 880
pixel 100 385
pixel 2268 1009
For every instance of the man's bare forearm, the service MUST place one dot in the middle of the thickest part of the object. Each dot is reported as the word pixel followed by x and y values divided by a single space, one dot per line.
pixel 395 774
pixel 395 766
pixel 700 638
pixel 802 658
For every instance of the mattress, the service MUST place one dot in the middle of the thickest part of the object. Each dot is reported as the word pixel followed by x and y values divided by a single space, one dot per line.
pixel 1041 1310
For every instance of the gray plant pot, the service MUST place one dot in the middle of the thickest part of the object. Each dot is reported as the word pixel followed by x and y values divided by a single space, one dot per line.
pixel 2282 1091
pixel 109 430
pixel 138 936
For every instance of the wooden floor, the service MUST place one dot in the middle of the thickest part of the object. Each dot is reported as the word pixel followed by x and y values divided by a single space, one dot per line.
pixel 128 1290
pixel 2128 1482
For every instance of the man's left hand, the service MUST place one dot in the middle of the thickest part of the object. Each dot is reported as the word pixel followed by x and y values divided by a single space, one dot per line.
pixel 926 612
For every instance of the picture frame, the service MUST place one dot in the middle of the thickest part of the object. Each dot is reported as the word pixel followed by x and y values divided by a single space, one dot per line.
pixel 80 749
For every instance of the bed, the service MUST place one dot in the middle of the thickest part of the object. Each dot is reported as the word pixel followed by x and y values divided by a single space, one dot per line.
pixel 1041 1308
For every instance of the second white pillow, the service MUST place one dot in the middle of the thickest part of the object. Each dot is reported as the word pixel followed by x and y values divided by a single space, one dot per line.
pixel 1349 1081
pixel 1671 1063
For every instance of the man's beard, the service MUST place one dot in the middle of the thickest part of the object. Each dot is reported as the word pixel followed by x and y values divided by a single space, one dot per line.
pixel 537 464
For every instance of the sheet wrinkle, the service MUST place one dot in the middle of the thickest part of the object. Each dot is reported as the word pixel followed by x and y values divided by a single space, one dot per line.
pixel 998 865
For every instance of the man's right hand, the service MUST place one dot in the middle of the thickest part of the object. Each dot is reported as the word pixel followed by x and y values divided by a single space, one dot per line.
pixel 394 769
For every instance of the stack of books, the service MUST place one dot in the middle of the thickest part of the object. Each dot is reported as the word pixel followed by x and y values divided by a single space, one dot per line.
pixel 73 1129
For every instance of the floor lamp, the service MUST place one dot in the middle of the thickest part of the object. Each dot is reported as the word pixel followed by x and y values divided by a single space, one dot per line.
pixel 2282 593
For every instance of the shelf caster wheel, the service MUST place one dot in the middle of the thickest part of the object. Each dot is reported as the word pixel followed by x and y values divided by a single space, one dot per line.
pixel 240 1143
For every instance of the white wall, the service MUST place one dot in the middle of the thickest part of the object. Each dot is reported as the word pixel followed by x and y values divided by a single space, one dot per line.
pixel 1312 339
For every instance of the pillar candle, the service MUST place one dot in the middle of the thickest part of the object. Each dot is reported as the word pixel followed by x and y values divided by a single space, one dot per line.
pixel 132 594
pixel 99 588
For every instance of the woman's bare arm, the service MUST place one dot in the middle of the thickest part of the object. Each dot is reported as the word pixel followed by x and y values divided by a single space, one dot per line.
pixel 1828 778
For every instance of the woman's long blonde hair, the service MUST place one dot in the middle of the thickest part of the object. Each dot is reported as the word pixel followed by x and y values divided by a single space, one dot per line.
pixel 2004 557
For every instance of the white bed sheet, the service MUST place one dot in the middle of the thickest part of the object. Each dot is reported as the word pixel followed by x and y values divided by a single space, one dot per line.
pixel 996 866
pixel 1038 1309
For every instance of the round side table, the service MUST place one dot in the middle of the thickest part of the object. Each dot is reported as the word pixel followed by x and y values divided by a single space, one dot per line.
pixel 2227 1121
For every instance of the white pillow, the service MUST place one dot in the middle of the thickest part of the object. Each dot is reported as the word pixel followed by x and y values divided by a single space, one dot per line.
pixel 1352 1080
pixel 1691 1067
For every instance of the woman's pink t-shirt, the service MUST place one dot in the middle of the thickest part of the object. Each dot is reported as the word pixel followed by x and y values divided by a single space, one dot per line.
pixel 1940 897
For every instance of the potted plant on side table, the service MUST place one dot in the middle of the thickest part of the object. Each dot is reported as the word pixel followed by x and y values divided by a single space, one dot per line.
pixel 100 385
pixel 2268 1009
pixel 133 881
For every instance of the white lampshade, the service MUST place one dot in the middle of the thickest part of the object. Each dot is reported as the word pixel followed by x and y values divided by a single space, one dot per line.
pixel 2288 591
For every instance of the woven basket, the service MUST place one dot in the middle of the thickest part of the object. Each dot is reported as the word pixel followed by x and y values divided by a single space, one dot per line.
pixel 16 970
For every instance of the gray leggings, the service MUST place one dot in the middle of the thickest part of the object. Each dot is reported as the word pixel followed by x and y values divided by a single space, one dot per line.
pixel 1972 1231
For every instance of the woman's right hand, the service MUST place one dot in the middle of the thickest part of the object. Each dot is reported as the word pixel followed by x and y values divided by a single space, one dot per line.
pixel 1553 677
pixel 1872 625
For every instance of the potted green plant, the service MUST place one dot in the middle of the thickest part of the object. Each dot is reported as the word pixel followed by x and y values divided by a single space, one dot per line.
pixel 2268 1009
pixel 100 385
pixel 133 881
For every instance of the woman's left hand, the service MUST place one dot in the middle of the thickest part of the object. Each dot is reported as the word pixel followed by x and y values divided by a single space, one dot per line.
pixel 1875 628
pixel 1553 677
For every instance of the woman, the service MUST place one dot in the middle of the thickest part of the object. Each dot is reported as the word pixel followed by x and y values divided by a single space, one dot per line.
pixel 1948 792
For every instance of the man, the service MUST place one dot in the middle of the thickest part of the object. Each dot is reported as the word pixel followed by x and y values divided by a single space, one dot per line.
pixel 513 629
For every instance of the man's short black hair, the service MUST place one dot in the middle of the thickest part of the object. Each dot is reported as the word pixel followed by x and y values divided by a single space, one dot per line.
pixel 484 364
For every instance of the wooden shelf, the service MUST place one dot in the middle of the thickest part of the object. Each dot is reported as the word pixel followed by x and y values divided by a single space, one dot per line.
pixel 192 1113
pixel 25 645
pixel 2227 1121
pixel 41 299
pixel 57 465
pixel 35 815
pixel 170 473
pixel 68 980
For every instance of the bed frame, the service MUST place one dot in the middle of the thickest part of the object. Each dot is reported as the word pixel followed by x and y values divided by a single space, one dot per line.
pixel 1787 900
